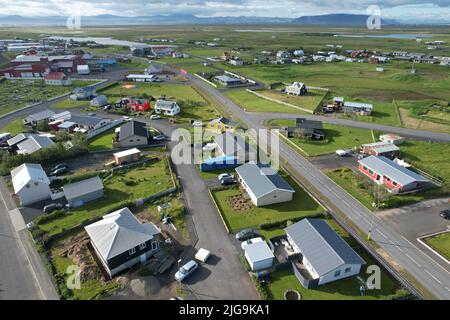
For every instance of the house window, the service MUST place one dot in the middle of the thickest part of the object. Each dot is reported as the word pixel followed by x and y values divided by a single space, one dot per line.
pixel 370 171
pixel 337 273
pixel 394 183
pixel 364 168
pixel 347 270
pixel 154 245
pixel 142 246
pixel 388 179
pixel 132 251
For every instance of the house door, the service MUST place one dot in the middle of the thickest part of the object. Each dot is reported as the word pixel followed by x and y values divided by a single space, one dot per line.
pixel 143 258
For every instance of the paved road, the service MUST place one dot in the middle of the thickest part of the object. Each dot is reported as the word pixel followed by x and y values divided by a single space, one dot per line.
pixel 412 133
pixel 406 255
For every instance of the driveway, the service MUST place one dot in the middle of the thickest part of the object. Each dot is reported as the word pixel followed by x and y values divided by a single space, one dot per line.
pixel 333 161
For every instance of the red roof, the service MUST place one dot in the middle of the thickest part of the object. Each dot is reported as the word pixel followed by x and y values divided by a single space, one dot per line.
pixel 55 76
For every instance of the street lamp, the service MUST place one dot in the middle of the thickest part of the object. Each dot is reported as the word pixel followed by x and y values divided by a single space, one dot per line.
pixel 179 262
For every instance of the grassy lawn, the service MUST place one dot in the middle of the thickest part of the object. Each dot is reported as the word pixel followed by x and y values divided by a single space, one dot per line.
pixel 345 289
pixel 302 205
pixel 440 243
pixel 102 141
pixel 127 185
pixel 70 104
pixel 252 103
pixel 14 127
pixel 336 137
pixel 309 101
pixel 89 290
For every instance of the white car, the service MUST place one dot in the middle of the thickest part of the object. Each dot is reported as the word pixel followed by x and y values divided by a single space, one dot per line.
pixel 197 124
pixel 159 138
pixel 154 117
pixel 245 243
pixel 224 175
pixel 343 153
pixel 209 147
pixel 127 118
pixel 186 270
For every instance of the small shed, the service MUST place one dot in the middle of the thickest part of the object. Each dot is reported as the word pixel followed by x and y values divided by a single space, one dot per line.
pixel 127 156
pixel 259 256
pixel 81 192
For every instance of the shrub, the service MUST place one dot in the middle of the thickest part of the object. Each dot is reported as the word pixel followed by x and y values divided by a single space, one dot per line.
pixel 244 263
pixel 263 294
pixel 51 216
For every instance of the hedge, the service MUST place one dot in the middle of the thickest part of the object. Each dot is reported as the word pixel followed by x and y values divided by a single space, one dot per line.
pixel 263 293
pixel 282 223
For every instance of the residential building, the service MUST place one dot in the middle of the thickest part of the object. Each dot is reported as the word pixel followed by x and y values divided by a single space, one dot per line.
pixel 139 105
pixel 283 54
pixel 236 62
pixel 311 129
pixel 396 178
pixel 120 241
pixel 233 145
pixel 385 149
pixel 131 134
pixel 57 79
pixel 33 143
pixel 222 124
pixel 296 88
pixel 142 78
pixel 168 108
pixel 263 184
pixel 30 183
pixel 99 101
pixel 34 119
pixel 84 191
pixel 323 256
pixel 84 93
pixel 259 256
pixel 228 81
pixel 87 123
pixel 83 69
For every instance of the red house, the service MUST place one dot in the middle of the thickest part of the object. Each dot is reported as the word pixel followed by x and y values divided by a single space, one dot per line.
pixel 139 105
pixel 396 178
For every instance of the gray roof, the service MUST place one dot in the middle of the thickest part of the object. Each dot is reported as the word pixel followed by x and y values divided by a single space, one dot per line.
pixel 226 79
pixel 225 121
pixel 358 105
pixel 83 187
pixel 119 232
pixel 262 179
pixel 394 171
pixel 321 245
pixel 308 124
pixel 66 125
pixel 41 115
pixel 259 251
pixel 85 120
pixel 34 143
pixel 382 147
pixel 231 144
pixel 18 138
pixel 133 128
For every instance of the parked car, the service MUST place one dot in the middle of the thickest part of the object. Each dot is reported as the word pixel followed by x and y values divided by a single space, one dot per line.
pixel 107 107
pixel 52 207
pixel 91 114
pixel 197 124
pixel 445 214
pixel 159 138
pixel 246 234
pixel 227 181
pixel 250 241
pixel 209 146
pixel 59 171
pixel 186 270
pixel 59 166
pixel 225 175
pixel 127 118
pixel 343 153
pixel 155 117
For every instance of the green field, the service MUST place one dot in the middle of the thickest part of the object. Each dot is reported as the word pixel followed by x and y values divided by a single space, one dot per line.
pixel 336 137
pixel 102 141
pixel 14 127
pixel 70 104
pixel 302 205
pixel 311 101
pixel 440 243
pixel 127 185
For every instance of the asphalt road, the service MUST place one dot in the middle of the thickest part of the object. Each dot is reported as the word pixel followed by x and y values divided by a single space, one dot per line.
pixel 402 254
pixel 412 133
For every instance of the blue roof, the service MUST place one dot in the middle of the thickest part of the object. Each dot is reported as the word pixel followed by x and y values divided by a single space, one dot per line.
pixel 228 159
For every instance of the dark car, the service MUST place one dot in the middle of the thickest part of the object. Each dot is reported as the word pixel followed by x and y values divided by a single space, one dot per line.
pixel 52 207
pixel 246 234
pixel 59 171
pixel 227 181
pixel 445 214
pixel 59 166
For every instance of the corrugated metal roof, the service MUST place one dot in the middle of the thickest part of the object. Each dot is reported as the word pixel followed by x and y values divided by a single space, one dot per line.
pixel 34 143
pixel 392 170
pixel 84 187
pixel 119 232
pixel 259 251
pixel 382 147
pixel 321 245
pixel 262 179
pixel 132 128
pixel 41 115
pixel 28 172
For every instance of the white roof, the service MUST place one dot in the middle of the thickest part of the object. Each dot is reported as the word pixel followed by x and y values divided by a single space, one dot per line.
pixel 141 76
pixel 119 232
pixel 127 153
pixel 27 172
pixel 258 251
pixel 83 67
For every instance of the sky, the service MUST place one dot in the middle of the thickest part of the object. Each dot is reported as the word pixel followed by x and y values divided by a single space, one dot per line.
pixel 403 10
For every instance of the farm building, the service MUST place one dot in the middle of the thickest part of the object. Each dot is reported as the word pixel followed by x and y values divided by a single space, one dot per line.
pixel 324 256
pixel 30 183
pixel 120 241
pixel 296 88
pixel 131 134
pixel 168 108
pixel 127 156
pixel 222 124
pixel 259 256
pixel 304 128
pixel 263 184
pixel 233 145
pixel 81 192
pixel 57 79
pixel 227 81
pixel 396 178
pixel 384 149
pixel 392 138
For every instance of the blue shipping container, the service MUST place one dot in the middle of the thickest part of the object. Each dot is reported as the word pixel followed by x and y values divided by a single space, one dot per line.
pixel 219 163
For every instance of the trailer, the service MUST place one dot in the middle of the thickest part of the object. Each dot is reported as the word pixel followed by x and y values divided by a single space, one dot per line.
pixel 202 255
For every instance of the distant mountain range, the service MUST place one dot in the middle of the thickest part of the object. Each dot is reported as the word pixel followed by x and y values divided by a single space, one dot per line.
pixel 173 19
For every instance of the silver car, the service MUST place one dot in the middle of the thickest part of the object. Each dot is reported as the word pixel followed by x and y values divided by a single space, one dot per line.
pixel 186 270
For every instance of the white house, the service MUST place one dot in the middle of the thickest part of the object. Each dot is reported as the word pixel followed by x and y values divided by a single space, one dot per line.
pixel 259 256
pixel 83 69
pixel 30 183
pixel 263 184
pixel 168 108
pixel 297 88
pixel 236 62
pixel 57 79
pixel 283 54
pixel 299 53
pixel 322 252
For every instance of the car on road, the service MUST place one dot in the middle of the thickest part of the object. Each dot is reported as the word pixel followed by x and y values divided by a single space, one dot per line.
pixel 445 214
pixel 59 171
pixel 159 137
pixel 52 207
pixel 127 118
pixel 186 270
pixel 155 117
pixel 246 234
pixel 227 181
pixel 224 175
pixel 59 166
pixel 197 124
pixel 245 243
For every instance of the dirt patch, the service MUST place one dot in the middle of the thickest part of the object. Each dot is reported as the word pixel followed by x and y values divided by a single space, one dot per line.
pixel 414 123
pixel 76 249
pixel 239 203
